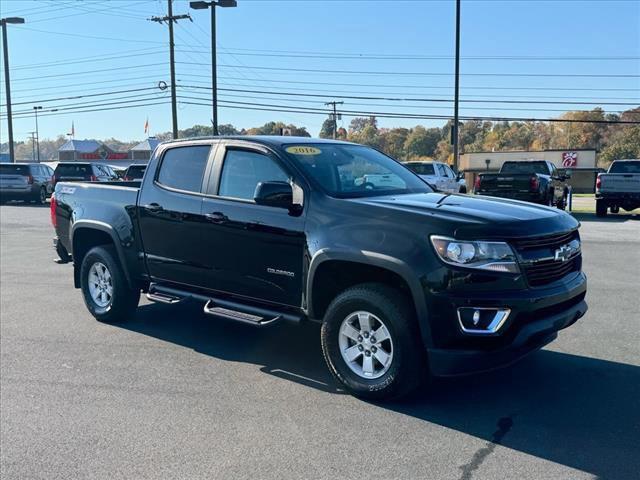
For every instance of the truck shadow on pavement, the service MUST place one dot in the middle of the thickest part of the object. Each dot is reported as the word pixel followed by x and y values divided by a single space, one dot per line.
pixel 576 411
pixel 611 218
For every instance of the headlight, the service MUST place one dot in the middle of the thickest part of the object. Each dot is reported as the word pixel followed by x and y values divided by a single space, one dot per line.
pixel 492 256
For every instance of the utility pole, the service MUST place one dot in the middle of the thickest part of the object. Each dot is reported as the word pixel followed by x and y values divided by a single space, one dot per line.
pixel 335 117
pixel 35 109
pixel 5 48
pixel 454 132
pixel 33 146
pixel 170 18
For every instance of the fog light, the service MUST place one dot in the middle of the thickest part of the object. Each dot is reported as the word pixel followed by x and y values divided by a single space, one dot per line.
pixel 481 320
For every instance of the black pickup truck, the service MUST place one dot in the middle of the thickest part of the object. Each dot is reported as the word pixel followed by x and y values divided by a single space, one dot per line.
pixel 536 181
pixel 405 281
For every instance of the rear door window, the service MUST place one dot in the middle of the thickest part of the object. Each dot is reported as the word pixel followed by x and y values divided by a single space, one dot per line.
pixel 183 168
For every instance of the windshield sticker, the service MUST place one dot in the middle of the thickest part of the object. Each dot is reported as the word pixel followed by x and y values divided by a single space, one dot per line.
pixel 303 150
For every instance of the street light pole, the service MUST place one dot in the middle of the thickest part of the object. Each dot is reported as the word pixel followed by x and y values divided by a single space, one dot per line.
pixel 35 109
pixel 5 48
pixel 214 68
pixel 456 101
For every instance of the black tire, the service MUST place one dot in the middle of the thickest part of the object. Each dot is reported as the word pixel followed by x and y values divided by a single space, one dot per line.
pixel 562 204
pixel 408 366
pixel 615 209
pixel 463 189
pixel 549 200
pixel 123 301
pixel 41 198
pixel 601 208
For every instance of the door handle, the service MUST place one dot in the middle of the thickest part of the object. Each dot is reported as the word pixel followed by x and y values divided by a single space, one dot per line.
pixel 216 217
pixel 153 207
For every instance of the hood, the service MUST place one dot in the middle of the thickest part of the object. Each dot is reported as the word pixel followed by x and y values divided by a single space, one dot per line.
pixel 474 216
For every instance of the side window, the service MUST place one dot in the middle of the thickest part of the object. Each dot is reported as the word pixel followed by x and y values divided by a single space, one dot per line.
pixel 449 172
pixel 441 171
pixel 554 170
pixel 183 167
pixel 243 170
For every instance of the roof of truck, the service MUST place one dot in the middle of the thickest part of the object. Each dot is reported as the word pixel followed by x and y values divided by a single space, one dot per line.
pixel 271 140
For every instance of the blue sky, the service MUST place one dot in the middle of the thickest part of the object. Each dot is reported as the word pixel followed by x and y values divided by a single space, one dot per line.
pixel 75 47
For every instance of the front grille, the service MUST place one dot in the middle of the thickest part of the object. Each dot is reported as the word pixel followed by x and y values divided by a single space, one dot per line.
pixel 548 271
pixel 537 257
pixel 550 241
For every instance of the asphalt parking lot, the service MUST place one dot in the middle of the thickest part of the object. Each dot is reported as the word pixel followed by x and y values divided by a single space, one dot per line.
pixel 175 395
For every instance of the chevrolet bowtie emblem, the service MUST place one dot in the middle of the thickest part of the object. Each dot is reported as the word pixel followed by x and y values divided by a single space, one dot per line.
pixel 563 253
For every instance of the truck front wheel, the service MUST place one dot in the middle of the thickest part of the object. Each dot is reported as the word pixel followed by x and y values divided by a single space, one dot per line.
pixel 371 343
pixel 106 292
pixel 601 208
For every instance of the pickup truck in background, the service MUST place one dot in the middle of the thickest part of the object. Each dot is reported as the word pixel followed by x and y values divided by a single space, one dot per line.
pixel 405 281
pixel 536 181
pixel 439 175
pixel 619 187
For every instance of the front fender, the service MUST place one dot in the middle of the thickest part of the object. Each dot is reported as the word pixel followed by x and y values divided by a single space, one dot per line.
pixel 392 264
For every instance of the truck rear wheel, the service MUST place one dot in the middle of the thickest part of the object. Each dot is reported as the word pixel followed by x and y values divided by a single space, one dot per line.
pixel 371 343
pixel 106 292
pixel 601 208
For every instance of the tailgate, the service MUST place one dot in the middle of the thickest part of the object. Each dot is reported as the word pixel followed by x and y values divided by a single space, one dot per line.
pixel 13 181
pixel 620 183
pixel 507 182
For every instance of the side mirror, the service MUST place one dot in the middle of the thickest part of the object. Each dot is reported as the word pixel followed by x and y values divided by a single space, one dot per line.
pixel 274 194
pixel 568 173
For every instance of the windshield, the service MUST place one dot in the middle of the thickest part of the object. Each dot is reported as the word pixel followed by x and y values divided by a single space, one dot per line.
pixel 14 169
pixel 421 168
pixel 625 167
pixel 69 170
pixel 525 167
pixel 350 171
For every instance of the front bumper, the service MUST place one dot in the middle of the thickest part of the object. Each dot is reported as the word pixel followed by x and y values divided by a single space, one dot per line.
pixel 532 337
pixel 536 317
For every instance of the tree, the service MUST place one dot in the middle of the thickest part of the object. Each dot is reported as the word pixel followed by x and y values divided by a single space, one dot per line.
pixel 422 142
pixel 327 128
pixel 359 123
pixel 392 142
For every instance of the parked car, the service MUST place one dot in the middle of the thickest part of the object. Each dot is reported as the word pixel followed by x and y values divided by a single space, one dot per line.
pixel 404 280
pixel 439 175
pixel 618 188
pixel 30 182
pixel 84 172
pixel 135 172
pixel 536 181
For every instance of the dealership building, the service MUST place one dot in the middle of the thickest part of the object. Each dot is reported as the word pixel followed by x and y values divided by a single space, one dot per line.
pixel 581 162
pixel 93 150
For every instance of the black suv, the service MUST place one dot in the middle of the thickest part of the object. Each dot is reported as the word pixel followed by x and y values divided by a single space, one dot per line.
pixel 25 181
pixel 259 230
pixel 84 172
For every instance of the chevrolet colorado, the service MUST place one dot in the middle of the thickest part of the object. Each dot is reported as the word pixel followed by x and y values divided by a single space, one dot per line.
pixel 405 281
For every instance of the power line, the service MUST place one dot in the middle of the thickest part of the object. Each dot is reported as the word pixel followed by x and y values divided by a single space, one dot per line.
pixel 422 87
pixel 427 74
pixel 74 97
pixel 87 72
pixel 93 37
pixel 356 113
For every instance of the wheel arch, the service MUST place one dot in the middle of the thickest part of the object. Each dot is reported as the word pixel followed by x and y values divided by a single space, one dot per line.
pixel 86 234
pixel 362 267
